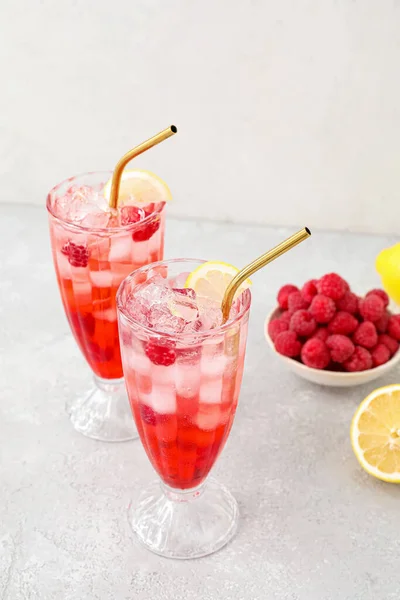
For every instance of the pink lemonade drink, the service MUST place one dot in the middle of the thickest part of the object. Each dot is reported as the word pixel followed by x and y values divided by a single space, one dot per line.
pixel 94 248
pixel 183 371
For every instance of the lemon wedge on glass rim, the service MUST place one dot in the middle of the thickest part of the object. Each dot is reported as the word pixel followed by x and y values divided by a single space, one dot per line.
pixel 211 279
pixel 139 187
pixel 375 433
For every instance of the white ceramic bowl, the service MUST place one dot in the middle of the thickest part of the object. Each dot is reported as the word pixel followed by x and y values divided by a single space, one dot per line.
pixel 330 378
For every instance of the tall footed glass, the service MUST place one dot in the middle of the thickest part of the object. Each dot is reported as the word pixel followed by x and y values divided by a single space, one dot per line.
pixel 183 389
pixel 93 252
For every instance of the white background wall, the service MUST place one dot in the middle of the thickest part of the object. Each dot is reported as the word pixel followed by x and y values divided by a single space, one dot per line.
pixel 288 110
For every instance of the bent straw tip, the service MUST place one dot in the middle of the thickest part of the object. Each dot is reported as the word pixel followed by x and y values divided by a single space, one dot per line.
pixel 174 129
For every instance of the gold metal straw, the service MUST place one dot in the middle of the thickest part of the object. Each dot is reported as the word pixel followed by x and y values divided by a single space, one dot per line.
pixel 153 141
pixel 257 264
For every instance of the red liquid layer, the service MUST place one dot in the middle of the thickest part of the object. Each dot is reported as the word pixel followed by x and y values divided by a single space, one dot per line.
pixel 181 452
pixel 90 308
pixel 96 336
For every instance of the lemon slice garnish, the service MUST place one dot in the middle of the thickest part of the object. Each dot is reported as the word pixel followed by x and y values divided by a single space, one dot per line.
pixel 211 279
pixel 375 433
pixel 139 187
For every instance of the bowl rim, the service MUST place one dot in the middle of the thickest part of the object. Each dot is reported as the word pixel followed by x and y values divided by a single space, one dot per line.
pixel 339 374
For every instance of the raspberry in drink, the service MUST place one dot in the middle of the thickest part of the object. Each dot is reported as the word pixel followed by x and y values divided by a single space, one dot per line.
pixel 183 374
pixel 183 370
pixel 94 249
pixel 183 329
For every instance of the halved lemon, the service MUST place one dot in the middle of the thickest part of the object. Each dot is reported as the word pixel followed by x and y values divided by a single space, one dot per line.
pixel 375 433
pixel 211 279
pixel 388 266
pixel 139 187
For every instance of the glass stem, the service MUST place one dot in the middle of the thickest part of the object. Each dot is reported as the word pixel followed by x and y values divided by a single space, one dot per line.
pixel 108 385
pixel 176 495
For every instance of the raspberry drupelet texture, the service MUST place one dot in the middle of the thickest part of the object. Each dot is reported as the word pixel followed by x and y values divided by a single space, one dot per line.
pixel 389 342
pixel 333 286
pixel 329 325
pixel 382 295
pixel 380 355
pixel 286 316
pixel 148 415
pixel 348 303
pixel 343 323
pixel 371 307
pixel 284 293
pixel 77 254
pixel 394 327
pixel 309 290
pixel 147 230
pixel 303 323
pixel 286 343
pixel 321 333
pixel 360 360
pixel 296 302
pixel 134 214
pixel 366 335
pixel 322 308
pixel 382 323
pixel 160 354
pixel 340 346
pixel 315 354
pixel 276 327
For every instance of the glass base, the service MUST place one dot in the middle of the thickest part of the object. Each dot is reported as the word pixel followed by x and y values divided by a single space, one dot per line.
pixel 184 523
pixel 104 413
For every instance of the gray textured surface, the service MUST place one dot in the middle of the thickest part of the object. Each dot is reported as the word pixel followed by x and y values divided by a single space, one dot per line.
pixel 313 525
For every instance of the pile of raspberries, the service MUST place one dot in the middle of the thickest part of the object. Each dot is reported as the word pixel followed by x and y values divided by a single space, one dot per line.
pixel 326 326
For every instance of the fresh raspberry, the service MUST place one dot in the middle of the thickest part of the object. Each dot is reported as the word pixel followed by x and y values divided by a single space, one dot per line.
pixel 341 347
pixel 394 327
pixel 360 360
pixel 77 254
pixel 131 214
pixel 160 354
pixel 296 302
pixel 371 308
pixel 303 323
pixel 309 290
pixel 382 323
pixel 284 293
pixel 343 323
pixel 349 303
pixel 322 333
pixel 382 295
pixel 148 415
pixel 365 335
pixel 147 230
pixel 389 342
pixel 315 354
pixel 276 327
pixel 380 355
pixel 286 316
pixel 322 308
pixel 286 343
pixel 333 286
